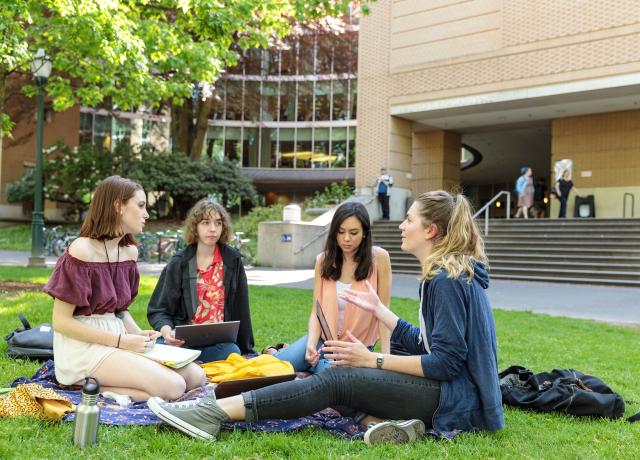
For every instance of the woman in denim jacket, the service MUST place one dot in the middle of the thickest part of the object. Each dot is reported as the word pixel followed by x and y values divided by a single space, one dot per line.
pixel 450 382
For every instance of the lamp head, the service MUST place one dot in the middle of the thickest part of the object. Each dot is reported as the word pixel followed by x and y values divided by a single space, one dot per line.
pixel 41 66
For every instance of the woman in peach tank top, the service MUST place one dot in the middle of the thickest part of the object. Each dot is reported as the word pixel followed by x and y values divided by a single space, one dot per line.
pixel 348 260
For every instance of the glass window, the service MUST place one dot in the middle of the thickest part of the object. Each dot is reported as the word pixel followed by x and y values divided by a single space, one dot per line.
pixel 305 101
pixel 217 112
pixel 86 128
pixel 269 101
pixel 323 101
pixel 289 59
pixel 306 55
pixel 250 147
pixel 339 147
pixel 253 61
pixel 324 54
pixel 342 54
pixel 121 131
pixel 287 148
pixel 234 100
pixel 102 131
pixel 340 99
pixel 353 100
pixel 288 101
pixel 252 100
pixel 269 149
pixel 351 153
pixel 321 157
pixel 273 63
pixel 303 148
pixel 233 143
pixel 353 52
pixel 215 142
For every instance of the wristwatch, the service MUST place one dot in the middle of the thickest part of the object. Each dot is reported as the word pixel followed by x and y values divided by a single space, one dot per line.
pixel 379 360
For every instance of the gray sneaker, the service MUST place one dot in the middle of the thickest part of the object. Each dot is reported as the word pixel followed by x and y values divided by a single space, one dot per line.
pixel 398 431
pixel 199 418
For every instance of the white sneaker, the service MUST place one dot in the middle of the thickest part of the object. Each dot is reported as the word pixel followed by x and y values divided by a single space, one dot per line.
pixel 398 431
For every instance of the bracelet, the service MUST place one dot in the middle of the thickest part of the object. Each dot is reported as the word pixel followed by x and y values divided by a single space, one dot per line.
pixel 118 344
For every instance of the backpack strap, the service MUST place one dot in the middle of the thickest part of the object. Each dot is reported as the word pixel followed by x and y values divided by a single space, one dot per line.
pixel 634 418
pixel 24 321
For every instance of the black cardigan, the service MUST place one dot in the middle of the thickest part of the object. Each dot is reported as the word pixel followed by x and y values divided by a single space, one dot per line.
pixel 174 300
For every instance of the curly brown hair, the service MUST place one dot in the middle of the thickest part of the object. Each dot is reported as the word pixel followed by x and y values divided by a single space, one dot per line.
pixel 202 210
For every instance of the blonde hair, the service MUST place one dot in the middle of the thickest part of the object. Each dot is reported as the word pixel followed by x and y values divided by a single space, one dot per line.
pixel 459 243
pixel 200 211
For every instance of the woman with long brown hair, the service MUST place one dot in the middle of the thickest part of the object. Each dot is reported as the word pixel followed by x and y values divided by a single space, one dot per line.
pixel 93 284
pixel 448 382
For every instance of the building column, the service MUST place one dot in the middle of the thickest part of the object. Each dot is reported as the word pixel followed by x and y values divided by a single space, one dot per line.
pixel 435 161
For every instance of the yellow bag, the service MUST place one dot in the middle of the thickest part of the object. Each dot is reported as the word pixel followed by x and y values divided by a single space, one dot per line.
pixel 33 400
pixel 238 367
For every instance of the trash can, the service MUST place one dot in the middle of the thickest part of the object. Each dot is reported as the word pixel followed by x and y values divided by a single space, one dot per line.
pixel 584 206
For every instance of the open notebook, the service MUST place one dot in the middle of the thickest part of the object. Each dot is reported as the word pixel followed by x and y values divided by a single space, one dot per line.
pixel 170 356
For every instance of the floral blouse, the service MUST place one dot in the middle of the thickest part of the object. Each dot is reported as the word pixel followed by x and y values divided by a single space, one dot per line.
pixel 211 292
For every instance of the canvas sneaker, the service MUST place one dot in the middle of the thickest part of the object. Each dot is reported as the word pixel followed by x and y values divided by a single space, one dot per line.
pixel 199 418
pixel 398 431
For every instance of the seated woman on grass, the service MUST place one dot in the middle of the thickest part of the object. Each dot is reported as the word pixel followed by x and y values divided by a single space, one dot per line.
pixel 449 382
pixel 347 262
pixel 204 283
pixel 93 284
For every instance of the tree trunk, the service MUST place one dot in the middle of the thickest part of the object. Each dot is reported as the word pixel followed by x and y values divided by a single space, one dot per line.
pixel 181 125
pixel 3 82
pixel 200 131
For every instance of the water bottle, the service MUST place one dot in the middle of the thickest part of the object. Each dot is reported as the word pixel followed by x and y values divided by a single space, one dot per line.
pixel 85 426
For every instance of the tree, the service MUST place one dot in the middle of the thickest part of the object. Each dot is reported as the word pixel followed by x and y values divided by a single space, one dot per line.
pixel 130 53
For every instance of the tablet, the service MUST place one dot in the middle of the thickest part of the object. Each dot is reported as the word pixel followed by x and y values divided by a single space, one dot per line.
pixel 235 387
pixel 201 335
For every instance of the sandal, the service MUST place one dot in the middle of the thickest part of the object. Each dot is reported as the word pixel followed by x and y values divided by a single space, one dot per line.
pixel 273 349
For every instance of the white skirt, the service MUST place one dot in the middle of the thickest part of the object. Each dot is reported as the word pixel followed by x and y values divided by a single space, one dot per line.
pixel 75 359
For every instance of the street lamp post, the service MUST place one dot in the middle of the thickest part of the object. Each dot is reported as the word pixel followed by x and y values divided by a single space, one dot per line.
pixel 41 69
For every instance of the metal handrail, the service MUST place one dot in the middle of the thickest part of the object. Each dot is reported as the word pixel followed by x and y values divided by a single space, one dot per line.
pixel 485 209
pixel 325 231
pixel 624 204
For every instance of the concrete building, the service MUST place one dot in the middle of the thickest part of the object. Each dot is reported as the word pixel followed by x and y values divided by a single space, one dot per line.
pixel 521 82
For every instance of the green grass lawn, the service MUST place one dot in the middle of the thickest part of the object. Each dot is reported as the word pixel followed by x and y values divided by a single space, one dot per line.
pixel 16 237
pixel 537 341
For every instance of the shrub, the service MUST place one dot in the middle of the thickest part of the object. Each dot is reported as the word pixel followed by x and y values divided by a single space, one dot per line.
pixel 332 195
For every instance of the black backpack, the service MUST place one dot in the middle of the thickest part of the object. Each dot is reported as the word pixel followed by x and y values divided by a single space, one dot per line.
pixel 29 343
pixel 561 390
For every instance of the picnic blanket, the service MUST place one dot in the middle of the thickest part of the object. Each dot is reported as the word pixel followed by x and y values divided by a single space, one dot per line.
pixel 139 414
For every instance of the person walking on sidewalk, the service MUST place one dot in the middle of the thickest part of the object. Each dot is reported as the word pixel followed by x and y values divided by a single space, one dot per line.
pixel 449 382
pixel 383 188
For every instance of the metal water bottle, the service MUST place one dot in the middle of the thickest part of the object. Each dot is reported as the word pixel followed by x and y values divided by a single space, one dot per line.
pixel 85 426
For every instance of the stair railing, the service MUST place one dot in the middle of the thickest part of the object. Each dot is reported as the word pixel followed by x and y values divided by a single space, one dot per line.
pixel 624 204
pixel 485 209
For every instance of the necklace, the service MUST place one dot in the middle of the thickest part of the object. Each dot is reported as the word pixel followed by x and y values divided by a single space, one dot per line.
pixel 109 262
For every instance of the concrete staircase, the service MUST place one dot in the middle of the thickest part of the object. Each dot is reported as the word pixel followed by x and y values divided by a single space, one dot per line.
pixel 593 251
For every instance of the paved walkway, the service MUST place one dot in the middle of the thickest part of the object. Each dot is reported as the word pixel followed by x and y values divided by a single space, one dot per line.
pixel 602 303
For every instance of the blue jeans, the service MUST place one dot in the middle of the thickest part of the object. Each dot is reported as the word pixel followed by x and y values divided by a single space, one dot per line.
pixel 215 352
pixel 295 352
pixel 381 393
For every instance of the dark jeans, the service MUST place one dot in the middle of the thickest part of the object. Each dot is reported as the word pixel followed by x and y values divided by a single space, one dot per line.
pixel 563 206
pixel 383 198
pixel 384 394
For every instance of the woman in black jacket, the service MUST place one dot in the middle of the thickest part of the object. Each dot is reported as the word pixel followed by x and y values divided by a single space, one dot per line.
pixel 204 283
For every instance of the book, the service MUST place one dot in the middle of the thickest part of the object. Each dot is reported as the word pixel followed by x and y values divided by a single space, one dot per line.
pixel 170 356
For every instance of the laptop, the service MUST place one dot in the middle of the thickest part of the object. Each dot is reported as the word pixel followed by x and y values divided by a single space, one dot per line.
pixel 201 335
pixel 235 387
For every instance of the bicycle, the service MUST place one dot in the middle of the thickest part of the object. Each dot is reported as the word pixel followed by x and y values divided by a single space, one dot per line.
pixel 242 246
pixel 58 240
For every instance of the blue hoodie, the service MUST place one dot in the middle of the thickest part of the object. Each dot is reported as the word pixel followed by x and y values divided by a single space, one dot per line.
pixel 462 338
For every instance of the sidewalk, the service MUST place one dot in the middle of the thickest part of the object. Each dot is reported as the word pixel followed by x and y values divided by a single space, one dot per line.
pixel 602 303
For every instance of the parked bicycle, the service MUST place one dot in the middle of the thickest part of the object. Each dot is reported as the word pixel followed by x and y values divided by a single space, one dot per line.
pixel 159 247
pixel 57 239
pixel 242 245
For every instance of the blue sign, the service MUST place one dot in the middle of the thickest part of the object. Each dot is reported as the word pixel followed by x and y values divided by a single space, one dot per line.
pixel 285 238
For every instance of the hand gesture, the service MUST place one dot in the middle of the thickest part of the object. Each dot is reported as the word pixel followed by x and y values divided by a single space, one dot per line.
pixel 352 353
pixel 136 342
pixel 169 336
pixel 367 300
pixel 153 335
pixel 311 355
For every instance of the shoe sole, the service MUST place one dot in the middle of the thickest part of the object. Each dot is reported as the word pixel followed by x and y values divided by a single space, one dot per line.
pixel 395 432
pixel 177 423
